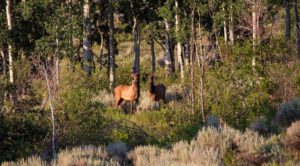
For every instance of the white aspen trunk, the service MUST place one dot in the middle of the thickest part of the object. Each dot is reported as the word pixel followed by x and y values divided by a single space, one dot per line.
pixel 231 24
pixel 87 45
pixel 192 58
pixel 202 70
pixel 52 110
pixel 136 46
pixel 225 24
pixel 57 59
pixel 168 60
pixel 3 62
pixel 111 47
pixel 10 47
pixel 136 53
pixel 101 51
pixel 254 30
pixel 179 47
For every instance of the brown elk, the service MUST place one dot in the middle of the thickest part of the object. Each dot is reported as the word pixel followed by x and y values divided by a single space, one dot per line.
pixel 127 93
pixel 156 92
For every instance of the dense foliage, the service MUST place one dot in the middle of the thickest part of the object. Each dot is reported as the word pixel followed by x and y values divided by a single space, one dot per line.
pixel 224 63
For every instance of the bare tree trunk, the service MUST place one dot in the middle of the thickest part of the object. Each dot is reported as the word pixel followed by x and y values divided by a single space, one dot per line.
pixel 87 44
pixel 287 21
pixel 111 47
pixel 10 47
pixel 100 58
pixel 179 47
pixel 225 23
pixel 108 60
pixel 3 61
pixel 297 29
pixel 202 70
pixel 136 48
pixel 254 30
pixel 45 69
pixel 152 55
pixel 201 62
pixel 192 57
pixel 136 45
pixel 57 59
pixel 231 24
pixel 170 68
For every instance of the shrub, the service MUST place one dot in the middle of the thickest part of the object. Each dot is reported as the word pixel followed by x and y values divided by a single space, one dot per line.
pixel 84 155
pixel 146 104
pixel 31 161
pixel 288 112
pixel 292 137
pixel 181 154
pixel 176 92
pixel 105 98
pixel 119 149
pixel 260 125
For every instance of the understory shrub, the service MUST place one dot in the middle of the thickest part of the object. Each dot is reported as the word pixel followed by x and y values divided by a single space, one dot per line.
pixel 287 113
pixel 292 137
pixel 212 147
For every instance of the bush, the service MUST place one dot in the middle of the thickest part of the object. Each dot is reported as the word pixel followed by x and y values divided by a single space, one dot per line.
pixel 84 155
pixel 213 146
pixel 287 113
pixel 77 156
pixel 292 137
pixel 31 161
pixel 119 149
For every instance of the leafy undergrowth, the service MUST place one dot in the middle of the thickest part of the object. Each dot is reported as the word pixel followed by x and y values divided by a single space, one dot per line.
pixel 220 145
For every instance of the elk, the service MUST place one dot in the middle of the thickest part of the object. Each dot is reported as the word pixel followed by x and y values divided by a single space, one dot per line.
pixel 127 93
pixel 156 92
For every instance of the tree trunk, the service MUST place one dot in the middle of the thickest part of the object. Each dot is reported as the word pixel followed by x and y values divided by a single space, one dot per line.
pixel 136 49
pixel 100 58
pixel 3 61
pixel 287 21
pixel 111 47
pixel 45 69
pixel 225 23
pixel 87 44
pixel 254 30
pixel 152 55
pixel 192 57
pixel 170 68
pixel 136 46
pixel 297 29
pixel 57 59
pixel 10 47
pixel 202 70
pixel 179 47
pixel 231 24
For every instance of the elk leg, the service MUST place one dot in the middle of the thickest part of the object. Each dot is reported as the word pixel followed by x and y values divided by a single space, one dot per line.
pixel 120 101
pixel 131 106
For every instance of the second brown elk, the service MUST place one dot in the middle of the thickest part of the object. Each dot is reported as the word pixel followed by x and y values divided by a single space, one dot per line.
pixel 127 93
pixel 156 92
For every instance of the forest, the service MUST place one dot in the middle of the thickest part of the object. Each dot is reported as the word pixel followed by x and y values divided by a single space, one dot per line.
pixel 149 82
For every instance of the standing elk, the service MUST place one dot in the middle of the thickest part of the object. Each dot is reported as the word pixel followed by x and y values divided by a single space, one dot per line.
pixel 156 92
pixel 127 93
